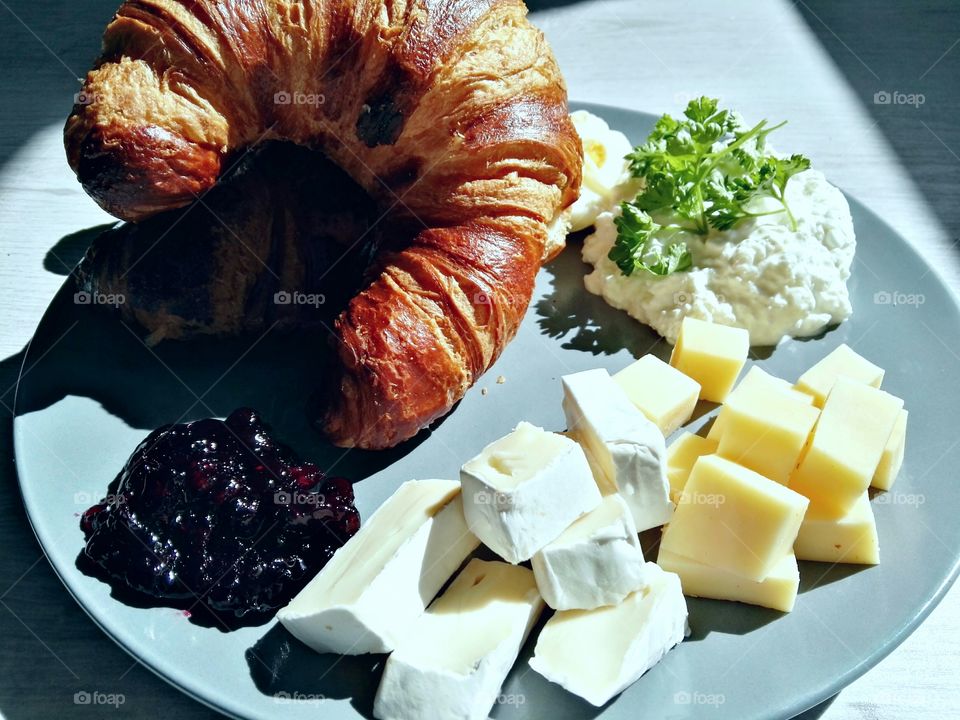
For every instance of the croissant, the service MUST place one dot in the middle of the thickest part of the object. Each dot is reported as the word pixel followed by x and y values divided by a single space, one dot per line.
pixel 450 114
pixel 300 223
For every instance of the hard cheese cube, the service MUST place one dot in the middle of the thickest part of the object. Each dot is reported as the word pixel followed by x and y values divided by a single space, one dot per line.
pixel 596 561
pixel 845 451
pixel 777 591
pixel 818 381
pixel 523 490
pixel 664 394
pixel 597 654
pixel 711 354
pixel 626 450
pixel 850 538
pixel 756 381
pixel 454 659
pixel 892 459
pixel 682 455
pixel 384 577
pixel 733 519
pixel 766 431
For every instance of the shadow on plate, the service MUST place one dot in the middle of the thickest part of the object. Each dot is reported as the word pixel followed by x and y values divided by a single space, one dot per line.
pixel 708 616
pixel 283 667
pixel 84 350
pixel 721 616
pixel 192 608
pixel 226 303
pixel 815 575
pixel 584 321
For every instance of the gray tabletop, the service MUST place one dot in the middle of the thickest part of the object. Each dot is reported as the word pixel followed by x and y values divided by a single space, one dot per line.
pixel 828 67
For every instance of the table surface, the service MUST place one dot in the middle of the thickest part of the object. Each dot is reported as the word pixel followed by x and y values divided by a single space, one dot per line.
pixel 818 63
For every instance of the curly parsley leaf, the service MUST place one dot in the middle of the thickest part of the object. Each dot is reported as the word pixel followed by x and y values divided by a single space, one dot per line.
pixel 705 170
pixel 633 250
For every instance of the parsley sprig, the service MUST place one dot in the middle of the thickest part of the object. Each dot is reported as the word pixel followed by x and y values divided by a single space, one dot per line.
pixel 704 171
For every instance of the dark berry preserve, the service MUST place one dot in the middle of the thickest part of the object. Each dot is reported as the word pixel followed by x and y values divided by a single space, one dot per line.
pixel 219 513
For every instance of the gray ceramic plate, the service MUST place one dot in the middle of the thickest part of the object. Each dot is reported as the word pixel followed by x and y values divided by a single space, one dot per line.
pixel 94 391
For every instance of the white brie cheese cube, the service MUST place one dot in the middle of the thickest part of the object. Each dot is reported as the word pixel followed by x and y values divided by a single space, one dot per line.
pixel 596 561
pixel 524 489
pixel 597 654
pixel 457 655
pixel 627 450
pixel 384 577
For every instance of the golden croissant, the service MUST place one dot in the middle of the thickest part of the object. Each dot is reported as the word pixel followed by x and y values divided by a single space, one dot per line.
pixel 450 114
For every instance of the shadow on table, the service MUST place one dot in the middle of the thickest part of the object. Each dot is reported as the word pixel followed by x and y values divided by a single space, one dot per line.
pixel 905 80
pixel 817 711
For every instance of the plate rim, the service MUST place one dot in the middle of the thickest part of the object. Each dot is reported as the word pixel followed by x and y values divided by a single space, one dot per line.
pixel 803 702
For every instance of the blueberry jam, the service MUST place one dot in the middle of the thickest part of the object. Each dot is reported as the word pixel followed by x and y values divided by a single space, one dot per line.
pixel 217 512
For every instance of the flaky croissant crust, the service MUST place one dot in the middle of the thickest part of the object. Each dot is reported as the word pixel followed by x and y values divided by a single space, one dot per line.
pixel 450 113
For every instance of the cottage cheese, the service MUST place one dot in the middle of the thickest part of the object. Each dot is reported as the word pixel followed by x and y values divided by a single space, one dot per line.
pixel 761 275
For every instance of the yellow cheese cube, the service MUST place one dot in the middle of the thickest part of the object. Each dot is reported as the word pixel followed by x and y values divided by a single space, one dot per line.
pixel 682 454
pixel 778 590
pixel 711 354
pixel 716 427
pixel 756 381
pixel 766 432
pixel 842 362
pixel 892 459
pixel 663 393
pixel 850 538
pixel 733 519
pixel 847 444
